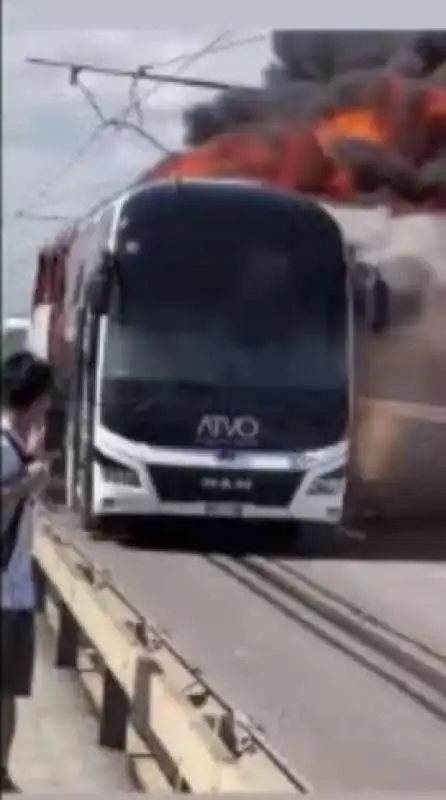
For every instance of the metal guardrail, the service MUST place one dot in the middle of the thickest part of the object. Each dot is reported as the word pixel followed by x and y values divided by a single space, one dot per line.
pixel 198 744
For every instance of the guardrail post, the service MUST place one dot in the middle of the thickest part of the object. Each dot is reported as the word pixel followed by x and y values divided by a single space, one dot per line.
pixel 67 642
pixel 114 714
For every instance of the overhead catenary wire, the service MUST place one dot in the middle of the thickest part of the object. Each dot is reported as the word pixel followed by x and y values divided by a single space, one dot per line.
pixel 113 123
pixel 214 47
pixel 136 103
pixel 121 122
pixel 66 168
pixel 100 128
pixel 142 72
pixel 186 61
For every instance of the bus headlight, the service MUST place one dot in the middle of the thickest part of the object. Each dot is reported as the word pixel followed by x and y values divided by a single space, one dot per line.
pixel 119 474
pixel 333 483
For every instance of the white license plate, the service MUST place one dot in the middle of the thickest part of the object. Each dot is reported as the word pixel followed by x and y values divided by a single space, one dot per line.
pixel 231 510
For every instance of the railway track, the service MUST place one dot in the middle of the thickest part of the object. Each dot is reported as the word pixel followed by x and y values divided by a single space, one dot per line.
pixel 341 711
pixel 409 666
pixel 364 617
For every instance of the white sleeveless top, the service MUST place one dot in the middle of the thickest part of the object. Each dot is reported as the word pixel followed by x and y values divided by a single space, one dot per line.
pixel 17 584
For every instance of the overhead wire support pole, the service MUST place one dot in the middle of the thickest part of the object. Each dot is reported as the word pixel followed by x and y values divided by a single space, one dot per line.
pixel 43 217
pixel 139 74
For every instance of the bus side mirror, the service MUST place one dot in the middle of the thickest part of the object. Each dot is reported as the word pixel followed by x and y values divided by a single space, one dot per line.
pixel 98 295
pixel 100 286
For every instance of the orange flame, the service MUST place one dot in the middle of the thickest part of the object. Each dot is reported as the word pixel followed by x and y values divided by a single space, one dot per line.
pixel 405 121
pixel 398 118
pixel 358 124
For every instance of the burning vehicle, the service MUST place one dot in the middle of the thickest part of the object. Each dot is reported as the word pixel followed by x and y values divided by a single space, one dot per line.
pixel 256 328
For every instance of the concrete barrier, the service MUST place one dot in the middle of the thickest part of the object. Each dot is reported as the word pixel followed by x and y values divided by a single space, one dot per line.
pixel 179 744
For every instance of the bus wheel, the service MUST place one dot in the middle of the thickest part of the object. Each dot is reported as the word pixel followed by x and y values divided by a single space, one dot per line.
pixel 319 540
pixel 92 523
pixel 283 537
pixel 294 537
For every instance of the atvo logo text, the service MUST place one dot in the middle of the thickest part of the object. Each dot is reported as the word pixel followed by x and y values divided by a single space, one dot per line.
pixel 216 426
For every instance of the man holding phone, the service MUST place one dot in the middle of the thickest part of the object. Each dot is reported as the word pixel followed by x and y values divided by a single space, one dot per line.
pixel 27 384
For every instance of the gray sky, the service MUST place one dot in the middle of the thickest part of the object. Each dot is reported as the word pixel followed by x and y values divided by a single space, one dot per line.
pixel 46 122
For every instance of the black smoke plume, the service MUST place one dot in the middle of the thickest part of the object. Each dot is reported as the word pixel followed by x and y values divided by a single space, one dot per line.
pixel 314 71
pixel 313 74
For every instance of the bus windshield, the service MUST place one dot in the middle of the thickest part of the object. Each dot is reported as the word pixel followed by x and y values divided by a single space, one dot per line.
pixel 232 307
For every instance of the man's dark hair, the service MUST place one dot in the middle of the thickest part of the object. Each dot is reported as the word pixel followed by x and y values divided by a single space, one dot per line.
pixel 25 379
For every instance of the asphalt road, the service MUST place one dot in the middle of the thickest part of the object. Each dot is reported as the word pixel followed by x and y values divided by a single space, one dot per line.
pixel 340 725
pixel 410 597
